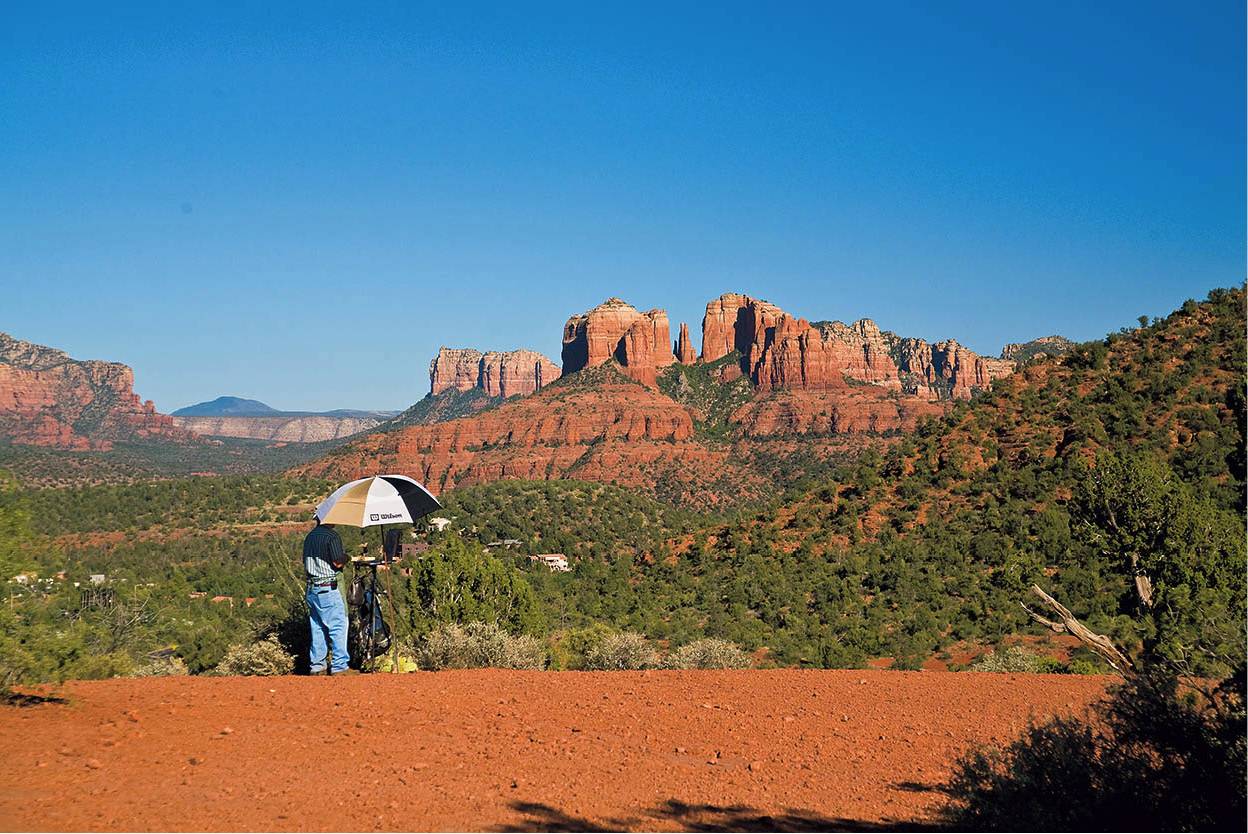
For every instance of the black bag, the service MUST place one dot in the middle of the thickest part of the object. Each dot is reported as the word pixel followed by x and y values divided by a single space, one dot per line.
pixel 356 591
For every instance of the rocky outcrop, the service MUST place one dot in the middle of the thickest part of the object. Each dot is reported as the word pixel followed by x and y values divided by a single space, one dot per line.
pixel 1043 346
pixel 778 351
pixel 510 374
pixel 50 399
pixel 310 429
pixel 685 354
pixel 733 322
pixel 640 342
pixel 946 369
pixel 862 352
pixel 794 357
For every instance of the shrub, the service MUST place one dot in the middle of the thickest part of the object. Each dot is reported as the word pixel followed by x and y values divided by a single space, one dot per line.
pixel 161 667
pixel 265 657
pixel 1145 760
pixel 476 646
pixel 708 654
pixel 1014 660
pixel 569 650
pixel 622 651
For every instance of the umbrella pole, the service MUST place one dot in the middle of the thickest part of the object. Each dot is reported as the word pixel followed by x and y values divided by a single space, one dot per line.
pixel 394 623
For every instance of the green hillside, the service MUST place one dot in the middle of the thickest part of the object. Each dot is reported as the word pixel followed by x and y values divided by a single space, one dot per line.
pixel 940 539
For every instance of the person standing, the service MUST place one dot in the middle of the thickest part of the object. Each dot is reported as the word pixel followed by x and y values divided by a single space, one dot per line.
pixel 323 561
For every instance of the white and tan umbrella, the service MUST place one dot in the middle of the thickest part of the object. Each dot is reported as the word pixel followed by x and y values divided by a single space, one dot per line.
pixel 381 499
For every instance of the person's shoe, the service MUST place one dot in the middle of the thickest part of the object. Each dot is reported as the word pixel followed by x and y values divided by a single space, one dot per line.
pixel 319 673
pixel 347 672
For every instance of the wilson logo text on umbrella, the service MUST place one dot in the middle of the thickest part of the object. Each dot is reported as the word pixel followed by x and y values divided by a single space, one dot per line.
pixel 383 516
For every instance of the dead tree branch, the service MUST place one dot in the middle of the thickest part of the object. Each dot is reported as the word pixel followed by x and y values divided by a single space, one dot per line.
pixel 1098 643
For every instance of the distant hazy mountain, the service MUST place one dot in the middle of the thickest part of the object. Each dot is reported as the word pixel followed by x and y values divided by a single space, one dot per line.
pixel 227 407
pixel 239 407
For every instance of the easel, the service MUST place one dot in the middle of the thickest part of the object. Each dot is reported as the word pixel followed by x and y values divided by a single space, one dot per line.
pixel 370 612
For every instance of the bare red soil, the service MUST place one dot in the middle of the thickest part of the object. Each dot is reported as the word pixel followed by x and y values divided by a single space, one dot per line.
pixel 498 751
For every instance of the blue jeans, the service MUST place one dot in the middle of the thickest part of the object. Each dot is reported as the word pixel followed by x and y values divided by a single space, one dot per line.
pixel 327 614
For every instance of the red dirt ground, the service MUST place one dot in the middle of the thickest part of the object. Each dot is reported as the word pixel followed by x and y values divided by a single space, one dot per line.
pixel 488 750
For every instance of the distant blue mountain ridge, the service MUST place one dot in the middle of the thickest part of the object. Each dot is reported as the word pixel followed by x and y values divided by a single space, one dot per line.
pixel 240 407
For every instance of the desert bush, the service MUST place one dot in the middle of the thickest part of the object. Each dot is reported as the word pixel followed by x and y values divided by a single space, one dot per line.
pixel 622 651
pixel 1014 660
pixel 569 650
pixel 1147 759
pixel 266 657
pixel 161 667
pixel 708 654
pixel 478 645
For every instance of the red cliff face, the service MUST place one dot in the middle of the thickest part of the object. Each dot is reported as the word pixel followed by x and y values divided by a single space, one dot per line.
pixel 778 351
pixel 49 399
pixel 510 374
pixel 735 322
pixel 946 368
pixel 861 352
pixel 640 342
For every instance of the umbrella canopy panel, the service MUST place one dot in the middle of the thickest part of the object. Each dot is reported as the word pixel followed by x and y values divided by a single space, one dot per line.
pixel 381 499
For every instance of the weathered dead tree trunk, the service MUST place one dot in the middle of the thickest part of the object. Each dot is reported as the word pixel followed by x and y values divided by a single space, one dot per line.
pixel 1098 643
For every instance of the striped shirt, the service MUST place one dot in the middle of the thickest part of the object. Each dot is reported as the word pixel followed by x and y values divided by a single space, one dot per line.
pixel 322 547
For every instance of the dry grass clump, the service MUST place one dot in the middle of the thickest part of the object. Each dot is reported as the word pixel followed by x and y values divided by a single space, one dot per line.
pixel 709 653
pixel 620 652
pixel 477 646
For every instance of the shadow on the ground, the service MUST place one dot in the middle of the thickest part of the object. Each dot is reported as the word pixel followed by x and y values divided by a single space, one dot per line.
pixel 921 787
pixel 540 817
pixel 29 699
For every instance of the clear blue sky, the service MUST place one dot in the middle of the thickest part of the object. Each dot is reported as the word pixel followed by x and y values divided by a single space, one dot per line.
pixel 301 202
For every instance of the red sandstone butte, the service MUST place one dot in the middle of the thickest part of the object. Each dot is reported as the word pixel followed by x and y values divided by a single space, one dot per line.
pixel 510 374
pixel 640 342
pixel 50 399
pixel 778 351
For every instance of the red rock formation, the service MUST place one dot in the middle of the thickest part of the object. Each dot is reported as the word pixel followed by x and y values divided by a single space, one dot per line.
pixel 947 369
pixel 777 350
pixel 641 342
pixel 637 356
pixel 794 356
pixel 510 374
pixel 516 373
pixel 49 399
pixel 543 436
pixel 735 322
pixel 685 354
pixel 454 368
pixel 861 352
pixel 608 428
pixel 661 335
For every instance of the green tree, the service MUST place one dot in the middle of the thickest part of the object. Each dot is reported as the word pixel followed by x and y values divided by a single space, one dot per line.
pixel 459 584
pixel 1184 555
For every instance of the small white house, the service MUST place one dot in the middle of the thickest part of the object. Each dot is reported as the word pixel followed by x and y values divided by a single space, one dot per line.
pixel 97 579
pixel 439 524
